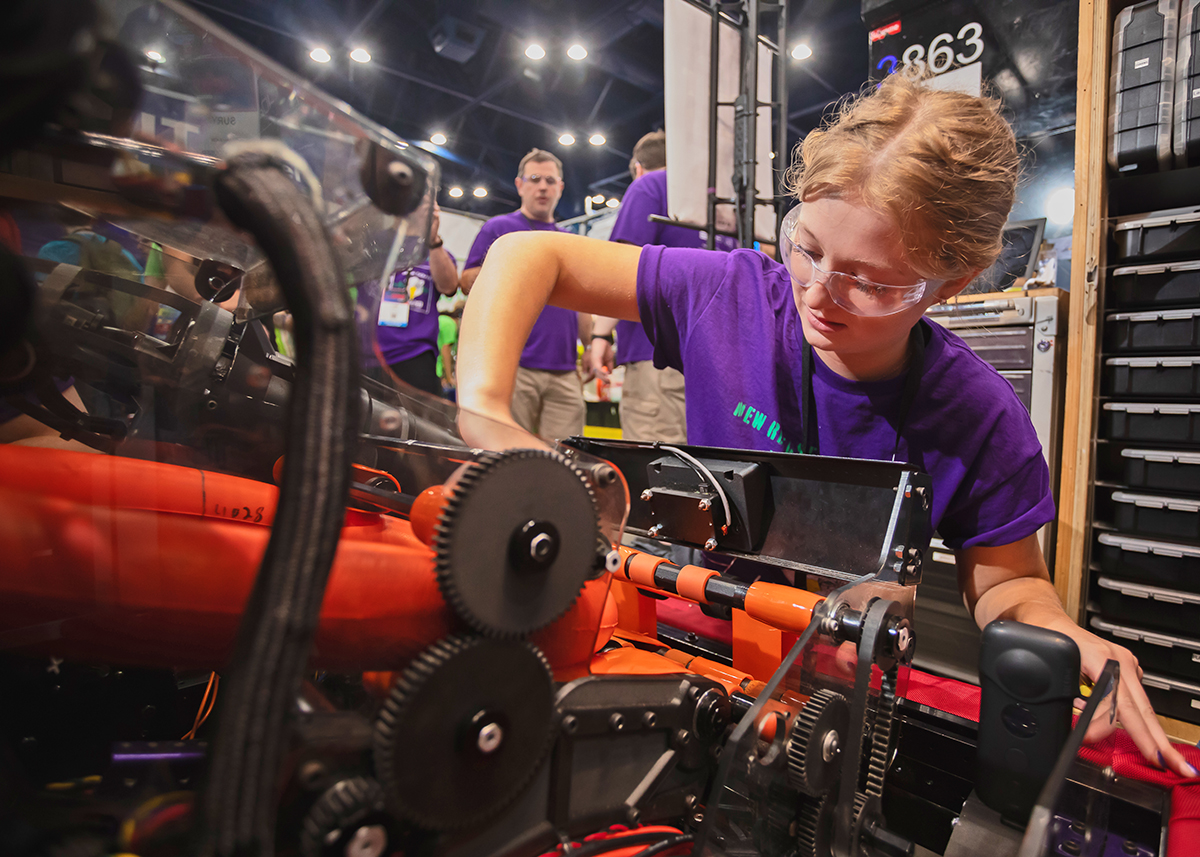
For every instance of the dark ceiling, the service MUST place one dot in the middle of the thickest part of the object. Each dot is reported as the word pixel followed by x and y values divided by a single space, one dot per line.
pixel 494 104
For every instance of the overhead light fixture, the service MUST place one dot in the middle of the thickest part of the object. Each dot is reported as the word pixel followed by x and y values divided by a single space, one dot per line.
pixel 154 56
pixel 801 52
pixel 480 192
pixel 1060 205
pixel 438 138
pixel 456 192
pixel 598 198
pixel 772 156
pixel 597 140
pixel 319 55
pixel 360 55
pixel 577 52
pixel 613 202
pixel 535 51
pixel 567 139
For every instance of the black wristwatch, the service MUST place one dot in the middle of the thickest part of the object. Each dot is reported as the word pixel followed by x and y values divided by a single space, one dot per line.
pixel 439 243
pixel 606 336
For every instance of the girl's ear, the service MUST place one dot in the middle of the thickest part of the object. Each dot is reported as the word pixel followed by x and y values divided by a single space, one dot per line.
pixel 951 288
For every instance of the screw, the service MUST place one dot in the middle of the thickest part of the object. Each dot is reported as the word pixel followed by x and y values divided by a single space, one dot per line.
pixel 616 721
pixel 648 719
pixel 1044 345
pixel 570 724
pixel 490 738
pixel 647 495
pixel 903 639
pixel 633 815
pixel 690 801
pixel 710 545
pixel 705 505
pixel 829 746
pixel 540 545
pixel 655 530
pixel 898 551
pixel 604 474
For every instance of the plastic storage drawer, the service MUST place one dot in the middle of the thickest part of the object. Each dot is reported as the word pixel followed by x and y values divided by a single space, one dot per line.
pixel 1143 86
pixel 1175 657
pixel 1152 422
pixel 1162 470
pixel 1158 236
pixel 1151 562
pixel 1022 384
pixel 1150 515
pixel 1005 348
pixel 1160 609
pixel 1176 284
pixel 1163 330
pixel 1186 136
pixel 1172 697
pixel 1153 376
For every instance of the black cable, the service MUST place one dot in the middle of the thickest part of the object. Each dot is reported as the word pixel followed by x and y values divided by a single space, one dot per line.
pixel 666 845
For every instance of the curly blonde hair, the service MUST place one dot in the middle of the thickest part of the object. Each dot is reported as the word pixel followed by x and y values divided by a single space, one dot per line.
pixel 942 165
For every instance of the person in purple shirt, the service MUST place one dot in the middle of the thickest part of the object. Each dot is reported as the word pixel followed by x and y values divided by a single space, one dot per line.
pixel 548 396
pixel 407 332
pixel 903 199
pixel 652 400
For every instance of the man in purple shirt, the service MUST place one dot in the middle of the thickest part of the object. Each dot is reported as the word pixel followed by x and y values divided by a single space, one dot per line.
pixel 548 397
pixel 652 400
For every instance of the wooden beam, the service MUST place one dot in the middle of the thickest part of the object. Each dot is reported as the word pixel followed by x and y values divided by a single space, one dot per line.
pixel 1088 246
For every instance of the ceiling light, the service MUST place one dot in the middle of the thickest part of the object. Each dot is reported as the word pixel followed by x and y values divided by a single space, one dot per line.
pixel 360 55
pixel 801 52
pixel 456 192
pixel 1060 206
pixel 772 156
pixel 480 192
pixel 155 56
pixel 535 51
pixel 597 140
pixel 598 198
pixel 438 138
pixel 320 55
pixel 577 52
pixel 567 140
pixel 613 202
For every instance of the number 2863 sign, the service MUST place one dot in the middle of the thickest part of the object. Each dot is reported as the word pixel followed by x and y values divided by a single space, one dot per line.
pixel 909 48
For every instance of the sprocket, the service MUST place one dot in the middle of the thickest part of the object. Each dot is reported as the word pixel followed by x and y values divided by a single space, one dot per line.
pixel 814 826
pixel 464 730
pixel 349 815
pixel 516 541
pixel 814 749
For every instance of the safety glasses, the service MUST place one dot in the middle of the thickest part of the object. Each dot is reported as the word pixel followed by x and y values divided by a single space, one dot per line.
pixel 853 294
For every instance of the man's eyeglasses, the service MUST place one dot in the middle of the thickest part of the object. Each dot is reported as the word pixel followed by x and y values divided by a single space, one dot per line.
pixel 551 181
pixel 853 294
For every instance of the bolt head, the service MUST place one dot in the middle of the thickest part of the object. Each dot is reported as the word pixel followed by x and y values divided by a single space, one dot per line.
pixel 491 736
pixel 612 562
pixel 710 545
pixel 647 495
pixel 368 841
pixel 616 721
pixel 705 505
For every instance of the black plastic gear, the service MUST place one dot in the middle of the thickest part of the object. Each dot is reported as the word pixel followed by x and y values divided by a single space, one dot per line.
pixel 811 767
pixel 338 816
pixel 516 541
pixel 814 828
pixel 464 730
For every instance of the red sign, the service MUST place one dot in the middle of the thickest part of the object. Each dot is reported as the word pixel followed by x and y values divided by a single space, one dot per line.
pixel 883 32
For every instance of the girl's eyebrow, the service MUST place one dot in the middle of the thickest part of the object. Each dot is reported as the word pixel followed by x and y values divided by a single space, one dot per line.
pixel 859 264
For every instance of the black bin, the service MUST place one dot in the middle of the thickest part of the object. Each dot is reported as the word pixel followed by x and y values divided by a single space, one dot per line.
pixel 1168 285
pixel 1165 654
pixel 1168 611
pixel 1151 422
pixel 1164 376
pixel 1162 470
pixel 1155 563
pixel 1161 330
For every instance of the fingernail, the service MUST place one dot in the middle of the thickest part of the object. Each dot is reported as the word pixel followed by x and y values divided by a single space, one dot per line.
pixel 1191 770
pixel 1162 763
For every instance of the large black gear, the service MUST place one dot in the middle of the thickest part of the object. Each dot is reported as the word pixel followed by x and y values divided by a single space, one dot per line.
pixel 464 730
pixel 347 812
pixel 814 828
pixel 812 767
pixel 516 541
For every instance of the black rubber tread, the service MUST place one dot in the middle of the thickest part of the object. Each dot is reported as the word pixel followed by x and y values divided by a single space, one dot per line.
pixel 428 779
pixel 471 543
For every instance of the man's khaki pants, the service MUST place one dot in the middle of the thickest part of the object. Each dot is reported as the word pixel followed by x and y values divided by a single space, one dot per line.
pixel 549 404
pixel 652 406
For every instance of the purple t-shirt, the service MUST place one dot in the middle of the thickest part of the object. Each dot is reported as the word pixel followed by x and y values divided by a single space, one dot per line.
pixel 551 344
pixel 730 323
pixel 421 334
pixel 646 196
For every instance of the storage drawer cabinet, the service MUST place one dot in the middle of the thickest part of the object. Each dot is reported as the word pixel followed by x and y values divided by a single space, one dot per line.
pixel 1163 330
pixel 1165 654
pixel 1166 236
pixel 1162 470
pixel 1159 377
pixel 1143 86
pixel 1149 561
pixel 1003 348
pixel 1151 515
pixel 1170 285
pixel 1172 697
pixel 1151 422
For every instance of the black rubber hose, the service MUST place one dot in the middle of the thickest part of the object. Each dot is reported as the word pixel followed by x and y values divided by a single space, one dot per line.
pixel 275 637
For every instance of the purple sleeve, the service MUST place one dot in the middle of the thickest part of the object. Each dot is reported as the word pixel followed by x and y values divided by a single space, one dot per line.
pixel 483 242
pixel 633 224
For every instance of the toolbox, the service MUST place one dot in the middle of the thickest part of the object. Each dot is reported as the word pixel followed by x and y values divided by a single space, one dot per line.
pixel 1143 86
pixel 1155 422
pixel 1162 470
pixel 1155 563
pixel 1164 654
pixel 1165 610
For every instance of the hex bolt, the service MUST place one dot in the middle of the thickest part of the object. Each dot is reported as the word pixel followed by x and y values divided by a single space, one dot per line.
pixel 710 545
pixel 649 719
pixel 540 546
pixel 647 495
pixel 612 562
pixel 705 504
pixel 616 721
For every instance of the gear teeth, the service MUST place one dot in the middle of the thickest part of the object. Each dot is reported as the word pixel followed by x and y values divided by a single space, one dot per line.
pixel 881 735
pixel 808 827
pixel 445 530
pixel 799 775
pixel 345 803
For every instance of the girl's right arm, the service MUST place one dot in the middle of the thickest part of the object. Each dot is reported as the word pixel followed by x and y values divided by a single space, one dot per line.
pixel 523 273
